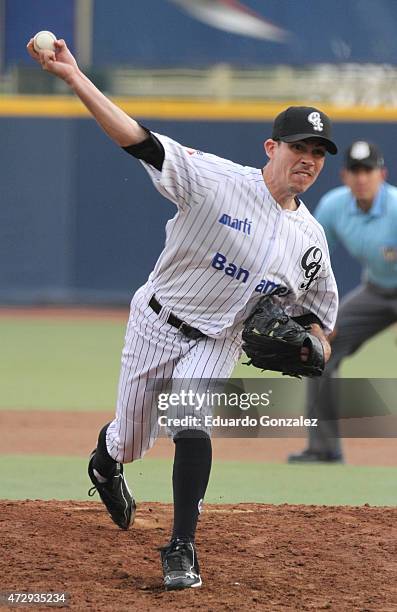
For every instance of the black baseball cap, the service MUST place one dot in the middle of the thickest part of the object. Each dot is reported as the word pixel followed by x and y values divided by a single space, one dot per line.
pixel 301 122
pixel 363 153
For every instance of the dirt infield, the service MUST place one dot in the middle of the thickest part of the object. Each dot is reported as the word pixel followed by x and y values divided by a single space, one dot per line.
pixel 74 434
pixel 254 557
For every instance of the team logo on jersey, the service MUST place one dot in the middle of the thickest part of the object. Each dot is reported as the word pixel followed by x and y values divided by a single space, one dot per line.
pixel 237 224
pixel 315 119
pixel 311 266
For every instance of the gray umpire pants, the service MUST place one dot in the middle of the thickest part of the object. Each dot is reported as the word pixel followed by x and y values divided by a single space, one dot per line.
pixel 363 312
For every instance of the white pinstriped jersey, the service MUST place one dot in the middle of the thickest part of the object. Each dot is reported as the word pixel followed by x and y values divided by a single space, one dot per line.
pixel 231 243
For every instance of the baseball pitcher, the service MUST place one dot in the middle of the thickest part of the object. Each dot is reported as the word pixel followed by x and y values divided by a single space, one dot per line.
pixel 240 235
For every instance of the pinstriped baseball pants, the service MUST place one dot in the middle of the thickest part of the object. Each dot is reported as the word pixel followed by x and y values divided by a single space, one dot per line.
pixel 157 357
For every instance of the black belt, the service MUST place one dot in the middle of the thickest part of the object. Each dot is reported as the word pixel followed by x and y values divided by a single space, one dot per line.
pixel 190 332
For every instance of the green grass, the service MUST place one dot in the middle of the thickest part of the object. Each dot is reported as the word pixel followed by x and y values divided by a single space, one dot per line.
pixel 59 364
pixel 74 364
pixel 231 482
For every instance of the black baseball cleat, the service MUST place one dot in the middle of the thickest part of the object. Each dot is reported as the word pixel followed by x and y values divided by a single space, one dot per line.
pixel 311 456
pixel 180 565
pixel 115 494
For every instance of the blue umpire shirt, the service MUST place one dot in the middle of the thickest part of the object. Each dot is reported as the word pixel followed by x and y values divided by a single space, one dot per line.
pixel 370 237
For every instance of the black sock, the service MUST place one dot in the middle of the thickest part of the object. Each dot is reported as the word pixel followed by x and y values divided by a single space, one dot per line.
pixel 103 462
pixel 192 466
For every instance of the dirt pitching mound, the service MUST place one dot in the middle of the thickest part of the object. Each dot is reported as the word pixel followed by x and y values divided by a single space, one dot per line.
pixel 253 557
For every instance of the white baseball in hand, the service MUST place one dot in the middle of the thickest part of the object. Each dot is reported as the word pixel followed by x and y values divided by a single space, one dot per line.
pixel 44 40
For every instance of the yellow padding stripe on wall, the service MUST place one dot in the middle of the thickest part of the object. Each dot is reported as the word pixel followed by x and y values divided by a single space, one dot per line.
pixel 177 109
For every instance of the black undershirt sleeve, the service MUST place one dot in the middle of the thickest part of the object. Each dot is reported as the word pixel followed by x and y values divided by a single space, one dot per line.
pixel 150 150
pixel 308 319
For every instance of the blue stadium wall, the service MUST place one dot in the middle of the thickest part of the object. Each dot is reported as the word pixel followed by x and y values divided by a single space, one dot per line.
pixel 159 33
pixel 80 220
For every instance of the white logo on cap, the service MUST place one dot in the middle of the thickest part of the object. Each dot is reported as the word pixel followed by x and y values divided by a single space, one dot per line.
pixel 315 119
pixel 360 150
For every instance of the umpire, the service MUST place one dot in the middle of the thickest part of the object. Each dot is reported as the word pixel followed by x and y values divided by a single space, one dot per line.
pixel 363 216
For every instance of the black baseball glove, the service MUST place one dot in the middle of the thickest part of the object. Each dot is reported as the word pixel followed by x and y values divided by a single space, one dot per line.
pixel 273 341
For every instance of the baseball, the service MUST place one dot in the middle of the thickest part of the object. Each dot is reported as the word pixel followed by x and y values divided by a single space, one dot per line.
pixel 44 40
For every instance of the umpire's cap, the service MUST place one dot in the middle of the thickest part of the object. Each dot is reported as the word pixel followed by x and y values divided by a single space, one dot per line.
pixel 301 122
pixel 363 153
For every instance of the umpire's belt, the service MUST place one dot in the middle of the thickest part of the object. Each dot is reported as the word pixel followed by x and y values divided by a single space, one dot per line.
pixel 385 292
pixel 190 332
